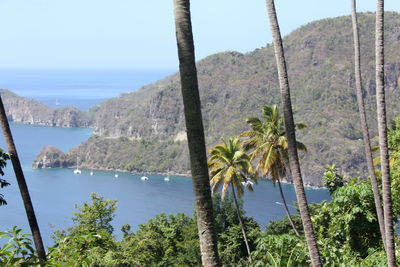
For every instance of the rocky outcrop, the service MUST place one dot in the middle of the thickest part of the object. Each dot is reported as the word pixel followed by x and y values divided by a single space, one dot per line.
pixel 51 157
pixel 29 111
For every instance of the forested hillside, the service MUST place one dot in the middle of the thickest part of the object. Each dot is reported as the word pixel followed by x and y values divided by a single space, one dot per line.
pixel 144 130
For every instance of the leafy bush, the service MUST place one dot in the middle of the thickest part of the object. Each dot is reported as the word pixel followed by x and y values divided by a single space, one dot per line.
pixel 18 251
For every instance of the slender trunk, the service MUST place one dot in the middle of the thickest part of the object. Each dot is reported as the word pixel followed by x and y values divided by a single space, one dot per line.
pixel 382 129
pixel 23 188
pixel 241 223
pixel 364 124
pixel 286 208
pixel 291 136
pixel 195 133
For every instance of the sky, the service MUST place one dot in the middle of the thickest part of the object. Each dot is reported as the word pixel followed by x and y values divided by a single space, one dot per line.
pixel 140 34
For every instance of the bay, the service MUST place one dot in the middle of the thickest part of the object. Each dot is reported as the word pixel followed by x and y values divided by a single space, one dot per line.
pixel 55 192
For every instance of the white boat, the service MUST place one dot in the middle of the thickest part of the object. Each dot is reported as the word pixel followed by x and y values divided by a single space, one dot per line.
pixel 77 170
pixel 57 103
pixel 166 178
pixel 91 173
pixel 116 175
pixel 144 178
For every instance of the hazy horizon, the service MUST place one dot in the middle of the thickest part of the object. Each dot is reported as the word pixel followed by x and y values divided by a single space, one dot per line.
pixel 45 34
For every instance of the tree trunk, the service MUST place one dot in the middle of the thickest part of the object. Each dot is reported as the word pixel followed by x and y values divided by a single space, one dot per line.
pixel 364 124
pixel 195 133
pixel 286 208
pixel 382 129
pixel 291 136
pixel 23 188
pixel 241 223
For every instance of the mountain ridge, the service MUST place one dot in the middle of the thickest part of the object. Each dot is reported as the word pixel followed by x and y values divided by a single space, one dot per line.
pixel 144 130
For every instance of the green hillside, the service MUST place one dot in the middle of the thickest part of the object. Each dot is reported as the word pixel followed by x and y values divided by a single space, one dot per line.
pixel 144 130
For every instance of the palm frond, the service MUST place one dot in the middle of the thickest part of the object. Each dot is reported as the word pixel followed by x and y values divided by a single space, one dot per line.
pixel 270 160
pixel 217 177
pixel 230 173
pixel 224 190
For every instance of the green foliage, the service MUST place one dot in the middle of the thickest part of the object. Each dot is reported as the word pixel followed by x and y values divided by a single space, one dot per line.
pixel 94 217
pixel 225 214
pixel 284 227
pixel 231 246
pixel 348 222
pixel 346 229
pixel 332 180
pixel 18 251
pixel 394 151
pixel 165 241
pixel 89 249
pixel 280 251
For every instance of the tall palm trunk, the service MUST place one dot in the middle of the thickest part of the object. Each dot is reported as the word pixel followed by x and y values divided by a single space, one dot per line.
pixel 364 124
pixel 23 188
pixel 291 136
pixel 286 208
pixel 195 133
pixel 382 129
pixel 241 223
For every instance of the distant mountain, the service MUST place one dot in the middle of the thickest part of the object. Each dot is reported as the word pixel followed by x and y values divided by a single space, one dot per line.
pixel 145 130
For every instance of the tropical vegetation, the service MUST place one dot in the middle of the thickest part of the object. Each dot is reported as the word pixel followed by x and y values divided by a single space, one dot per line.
pixel 347 230
pixel 231 167
pixel 268 144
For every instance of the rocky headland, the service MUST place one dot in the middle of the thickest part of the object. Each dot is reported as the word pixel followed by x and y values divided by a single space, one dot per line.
pixel 28 111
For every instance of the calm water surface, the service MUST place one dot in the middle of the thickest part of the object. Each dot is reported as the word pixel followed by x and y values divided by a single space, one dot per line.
pixel 79 88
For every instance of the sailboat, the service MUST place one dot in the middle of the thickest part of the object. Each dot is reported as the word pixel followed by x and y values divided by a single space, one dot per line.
pixel 91 173
pixel 57 103
pixel 166 178
pixel 77 170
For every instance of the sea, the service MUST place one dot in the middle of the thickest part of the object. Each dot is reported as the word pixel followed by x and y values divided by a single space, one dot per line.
pixel 56 193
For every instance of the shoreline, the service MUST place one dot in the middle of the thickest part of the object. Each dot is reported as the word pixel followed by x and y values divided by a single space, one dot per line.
pixel 188 175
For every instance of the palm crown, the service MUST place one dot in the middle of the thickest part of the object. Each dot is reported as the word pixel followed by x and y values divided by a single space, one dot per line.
pixel 229 164
pixel 268 143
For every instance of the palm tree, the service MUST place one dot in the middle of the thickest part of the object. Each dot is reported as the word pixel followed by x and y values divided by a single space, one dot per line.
pixel 23 188
pixel 231 166
pixel 382 130
pixel 364 124
pixel 268 143
pixel 291 135
pixel 195 133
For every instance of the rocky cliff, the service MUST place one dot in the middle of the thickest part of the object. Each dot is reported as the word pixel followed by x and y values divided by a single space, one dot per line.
pixel 52 157
pixel 29 111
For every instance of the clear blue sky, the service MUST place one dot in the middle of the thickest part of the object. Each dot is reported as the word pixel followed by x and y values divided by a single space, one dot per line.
pixel 140 33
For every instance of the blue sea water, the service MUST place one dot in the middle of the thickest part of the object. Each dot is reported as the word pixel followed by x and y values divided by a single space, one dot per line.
pixel 55 192
pixel 81 88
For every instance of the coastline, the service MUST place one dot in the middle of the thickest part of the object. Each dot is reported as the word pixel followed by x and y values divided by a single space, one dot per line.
pixel 187 175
